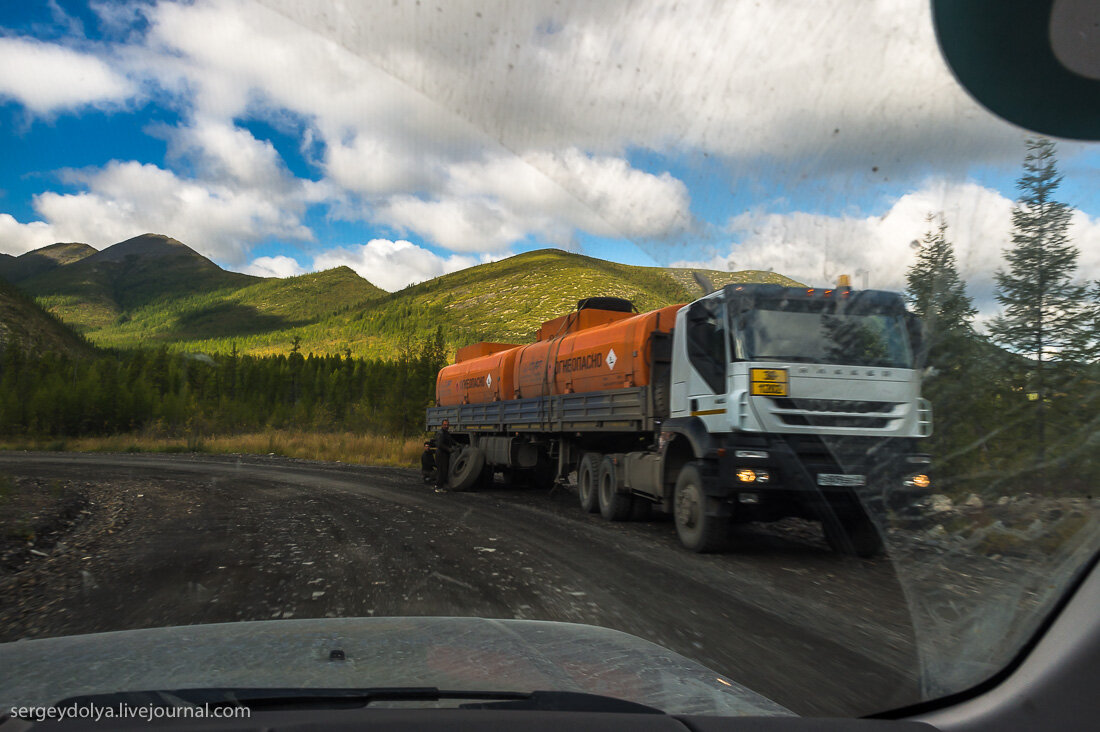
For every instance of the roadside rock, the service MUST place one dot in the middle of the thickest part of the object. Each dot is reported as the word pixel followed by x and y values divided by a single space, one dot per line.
pixel 941 503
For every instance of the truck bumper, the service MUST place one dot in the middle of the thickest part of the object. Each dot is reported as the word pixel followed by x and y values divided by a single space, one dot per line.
pixel 777 476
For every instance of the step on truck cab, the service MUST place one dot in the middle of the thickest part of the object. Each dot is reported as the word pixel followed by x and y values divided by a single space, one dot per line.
pixel 754 403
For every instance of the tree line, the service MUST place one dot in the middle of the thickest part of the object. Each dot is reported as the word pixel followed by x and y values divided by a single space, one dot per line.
pixel 167 393
pixel 1016 406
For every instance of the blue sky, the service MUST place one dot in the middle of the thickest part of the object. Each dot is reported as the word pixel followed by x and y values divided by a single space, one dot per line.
pixel 277 138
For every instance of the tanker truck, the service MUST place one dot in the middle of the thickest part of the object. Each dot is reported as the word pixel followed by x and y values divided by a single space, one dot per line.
pixel 754 403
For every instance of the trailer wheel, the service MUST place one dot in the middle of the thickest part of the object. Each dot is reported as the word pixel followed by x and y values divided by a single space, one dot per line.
pixel 588 475
pixel 852 534
pixel 614 506
pixel 697 530
pixel 466 469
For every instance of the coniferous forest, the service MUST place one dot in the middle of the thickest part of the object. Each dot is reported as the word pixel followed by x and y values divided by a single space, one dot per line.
pixel 168 393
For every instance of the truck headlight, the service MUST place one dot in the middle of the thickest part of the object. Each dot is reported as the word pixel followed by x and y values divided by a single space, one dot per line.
pixel 748 475
pixel 919 481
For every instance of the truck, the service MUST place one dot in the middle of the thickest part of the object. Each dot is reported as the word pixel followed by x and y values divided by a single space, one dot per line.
pixel 755 402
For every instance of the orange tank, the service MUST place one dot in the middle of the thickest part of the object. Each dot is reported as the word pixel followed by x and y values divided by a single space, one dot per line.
pixel 578 320
pixel 610 356
pixel 481 349
pixel 474 380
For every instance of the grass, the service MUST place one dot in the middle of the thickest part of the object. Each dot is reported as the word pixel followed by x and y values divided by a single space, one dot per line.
pixel 344 447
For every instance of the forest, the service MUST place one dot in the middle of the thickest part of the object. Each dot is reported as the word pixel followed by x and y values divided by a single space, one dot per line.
pixel 169 394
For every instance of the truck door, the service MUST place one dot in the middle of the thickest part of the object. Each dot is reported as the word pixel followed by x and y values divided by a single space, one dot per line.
pixel 706 344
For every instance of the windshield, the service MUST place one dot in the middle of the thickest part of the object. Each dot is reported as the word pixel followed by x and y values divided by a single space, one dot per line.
pixel 810 332
pixel 319 313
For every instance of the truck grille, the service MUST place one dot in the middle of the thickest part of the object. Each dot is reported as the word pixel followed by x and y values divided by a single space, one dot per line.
pixel 823 420
pixel 833 405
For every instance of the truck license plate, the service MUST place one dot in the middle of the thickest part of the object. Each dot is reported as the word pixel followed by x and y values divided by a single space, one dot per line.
pixel 768 382
pixel 834 479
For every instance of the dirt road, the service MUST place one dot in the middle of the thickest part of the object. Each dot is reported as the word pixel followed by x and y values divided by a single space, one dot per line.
pixel 113 542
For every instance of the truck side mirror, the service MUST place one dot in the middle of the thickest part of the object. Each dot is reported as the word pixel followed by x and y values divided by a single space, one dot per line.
pixel 915 328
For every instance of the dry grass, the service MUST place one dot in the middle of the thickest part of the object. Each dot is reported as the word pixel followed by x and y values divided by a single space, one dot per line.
pixel 345 447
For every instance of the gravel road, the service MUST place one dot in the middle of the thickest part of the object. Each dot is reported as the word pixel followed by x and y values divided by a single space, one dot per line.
pixel 132 541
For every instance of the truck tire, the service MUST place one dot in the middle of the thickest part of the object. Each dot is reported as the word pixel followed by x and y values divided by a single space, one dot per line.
pixel 614 506
pixel 466 469
pixel 697 530
pixel 588 477
pixel 852 534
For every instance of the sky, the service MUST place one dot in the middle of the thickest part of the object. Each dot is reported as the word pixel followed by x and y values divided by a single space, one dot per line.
pixel 409 139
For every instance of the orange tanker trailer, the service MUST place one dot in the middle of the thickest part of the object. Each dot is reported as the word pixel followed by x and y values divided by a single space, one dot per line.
pixel 600 346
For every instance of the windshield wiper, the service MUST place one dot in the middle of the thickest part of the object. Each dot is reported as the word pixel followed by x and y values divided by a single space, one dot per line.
pixel 280 698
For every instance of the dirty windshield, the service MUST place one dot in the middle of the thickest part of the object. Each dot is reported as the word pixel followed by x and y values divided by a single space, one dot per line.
pixel 385 344
pixel 856 336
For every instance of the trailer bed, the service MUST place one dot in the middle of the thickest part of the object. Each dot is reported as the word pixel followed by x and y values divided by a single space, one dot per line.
pixel 620 410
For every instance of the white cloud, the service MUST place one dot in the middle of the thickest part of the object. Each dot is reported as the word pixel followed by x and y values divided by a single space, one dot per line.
pixel 816 248
pixel 277 266
pixel 393 265
pixel 819 85
pixel 229 154
pixel 489 205
pixel 463 224
pixel 125 199
pixel 45 77
pixel 17 238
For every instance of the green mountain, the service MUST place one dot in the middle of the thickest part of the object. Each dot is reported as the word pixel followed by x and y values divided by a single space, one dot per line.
pixel 266 311
pixel 27 327
pixel 498 301
pixel 40 261
pixel 153 290
pixel 94 291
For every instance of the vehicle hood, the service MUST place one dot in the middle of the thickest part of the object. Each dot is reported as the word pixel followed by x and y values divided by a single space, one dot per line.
pixel 448 653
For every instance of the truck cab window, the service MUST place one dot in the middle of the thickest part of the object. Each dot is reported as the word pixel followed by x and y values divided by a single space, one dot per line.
pixel 706 342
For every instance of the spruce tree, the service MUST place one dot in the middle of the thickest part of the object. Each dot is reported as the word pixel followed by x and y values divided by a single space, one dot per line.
pixel 1046 313
pixel 955 384
pixel 938 296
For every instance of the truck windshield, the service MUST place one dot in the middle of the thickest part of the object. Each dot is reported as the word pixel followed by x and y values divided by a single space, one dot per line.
pixel 823 332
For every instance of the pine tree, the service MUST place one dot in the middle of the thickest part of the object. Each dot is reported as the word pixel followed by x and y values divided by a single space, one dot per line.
pixel 956 384
pixel 937 295
pixel 1046 314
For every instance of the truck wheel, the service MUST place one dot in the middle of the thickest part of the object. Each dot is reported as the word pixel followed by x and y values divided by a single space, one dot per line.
pixel 698 531
pixel 466 469
pixel 614 506
pixel 588 476
pixel 852 535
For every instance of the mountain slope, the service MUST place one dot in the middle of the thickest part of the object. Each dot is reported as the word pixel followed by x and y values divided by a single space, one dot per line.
pixel 153 290
pixel 24 325
pixel 232 315
pixel 40 261
pixel 501 301
pixel 93 292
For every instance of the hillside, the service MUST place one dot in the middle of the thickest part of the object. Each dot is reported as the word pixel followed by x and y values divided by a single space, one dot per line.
pixel 93 292
pixel 40 261
pixel 27 327
pixel 236 317
pixel 153 290
pixel 500 301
